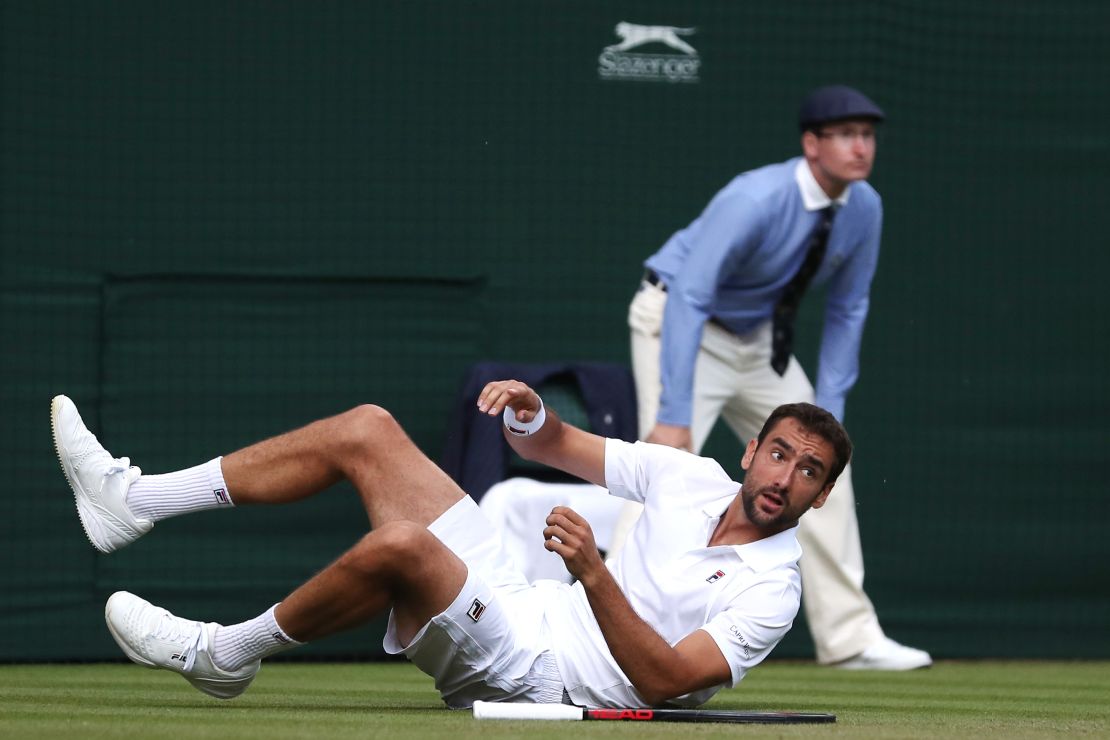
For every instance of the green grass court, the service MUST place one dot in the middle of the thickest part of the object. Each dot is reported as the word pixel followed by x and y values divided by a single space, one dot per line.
pixel 365 700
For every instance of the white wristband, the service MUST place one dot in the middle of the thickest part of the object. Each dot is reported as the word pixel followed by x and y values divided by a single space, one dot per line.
pixel 520 428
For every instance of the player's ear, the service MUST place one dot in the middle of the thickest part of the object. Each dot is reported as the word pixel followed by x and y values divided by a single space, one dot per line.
pixel 820 500
pixel 749 454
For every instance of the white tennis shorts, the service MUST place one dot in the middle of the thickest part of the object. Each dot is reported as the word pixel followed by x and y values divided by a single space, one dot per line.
pixel 491 643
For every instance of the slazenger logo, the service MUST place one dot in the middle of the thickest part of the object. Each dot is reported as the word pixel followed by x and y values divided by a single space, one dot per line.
pixel 615 63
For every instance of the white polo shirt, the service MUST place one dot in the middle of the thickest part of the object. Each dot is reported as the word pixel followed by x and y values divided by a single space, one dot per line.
pixel 745 597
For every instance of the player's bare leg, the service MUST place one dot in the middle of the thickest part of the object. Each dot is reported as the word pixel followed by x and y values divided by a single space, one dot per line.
pixel 400 564
pixel 117 504
pixel 365 445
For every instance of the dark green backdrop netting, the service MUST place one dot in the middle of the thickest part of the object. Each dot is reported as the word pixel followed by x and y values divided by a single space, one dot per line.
pixel 224 219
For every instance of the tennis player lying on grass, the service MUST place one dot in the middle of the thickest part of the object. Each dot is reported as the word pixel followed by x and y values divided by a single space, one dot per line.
pixel 707 585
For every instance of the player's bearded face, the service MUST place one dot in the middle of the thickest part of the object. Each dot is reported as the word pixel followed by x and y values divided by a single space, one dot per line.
pixel 770 505
pixel 785 476
pixel 762 502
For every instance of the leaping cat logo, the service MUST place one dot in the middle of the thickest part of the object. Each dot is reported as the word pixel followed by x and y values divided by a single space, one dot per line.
pixel 633 35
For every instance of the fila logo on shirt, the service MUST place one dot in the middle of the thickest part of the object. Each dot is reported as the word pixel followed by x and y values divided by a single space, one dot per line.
pixel 715 577
pixel 476 610
pixel 221 496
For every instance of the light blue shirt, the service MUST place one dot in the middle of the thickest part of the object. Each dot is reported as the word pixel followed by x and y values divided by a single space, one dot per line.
pixel 734 260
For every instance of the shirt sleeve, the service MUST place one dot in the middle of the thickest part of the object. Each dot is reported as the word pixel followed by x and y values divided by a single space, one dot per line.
pixel 845 314
pixel 631 466
pixel 754 624
pixel 725 232
pixel 623 476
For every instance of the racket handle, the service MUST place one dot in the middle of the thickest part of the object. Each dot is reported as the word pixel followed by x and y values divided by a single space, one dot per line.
pixel 511 710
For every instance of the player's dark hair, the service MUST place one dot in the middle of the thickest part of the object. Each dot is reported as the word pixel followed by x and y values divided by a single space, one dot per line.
pixel 816 420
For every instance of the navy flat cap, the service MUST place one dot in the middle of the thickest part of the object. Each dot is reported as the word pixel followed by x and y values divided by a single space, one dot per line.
pixel 836 103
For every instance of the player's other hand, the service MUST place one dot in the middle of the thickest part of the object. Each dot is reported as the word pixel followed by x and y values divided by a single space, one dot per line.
pixel 672 436
pixel 524 401
pixel 569 535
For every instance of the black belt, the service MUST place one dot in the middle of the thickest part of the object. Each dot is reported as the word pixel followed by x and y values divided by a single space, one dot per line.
pixel 718 323
pixel 651 278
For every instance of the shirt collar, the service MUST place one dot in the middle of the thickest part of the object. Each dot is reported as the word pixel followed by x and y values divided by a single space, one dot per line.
pixel 767 553
pixel 771 552
pixel 813 197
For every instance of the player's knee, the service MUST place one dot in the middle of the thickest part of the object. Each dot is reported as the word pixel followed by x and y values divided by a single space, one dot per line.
pixel 369 425
pixel 399 542
pixel 371 416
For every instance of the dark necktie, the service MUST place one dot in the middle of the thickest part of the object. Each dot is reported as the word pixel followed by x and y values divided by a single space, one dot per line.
pixel 782 337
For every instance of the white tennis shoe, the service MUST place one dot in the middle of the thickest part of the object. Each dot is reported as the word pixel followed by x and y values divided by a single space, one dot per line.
pixel 152 637
pixel 98 480
pixel 887 655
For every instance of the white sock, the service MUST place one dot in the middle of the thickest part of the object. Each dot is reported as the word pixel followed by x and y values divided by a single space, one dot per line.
pixel 239 644
pixel 157 497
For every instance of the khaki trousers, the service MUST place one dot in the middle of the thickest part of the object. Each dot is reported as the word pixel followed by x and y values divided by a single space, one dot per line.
pixel 733 380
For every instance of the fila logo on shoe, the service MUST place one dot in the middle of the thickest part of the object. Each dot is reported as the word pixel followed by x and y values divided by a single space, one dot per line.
pixel 476 610
pixel 178 656
pixel 715 577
